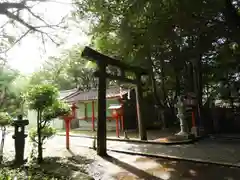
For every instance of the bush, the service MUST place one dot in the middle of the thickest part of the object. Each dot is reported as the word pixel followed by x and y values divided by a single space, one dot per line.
pixel 5 119
pixel 57 109
pixel 20 173
pixel 41 96
pixel 44 100
pixel 46 132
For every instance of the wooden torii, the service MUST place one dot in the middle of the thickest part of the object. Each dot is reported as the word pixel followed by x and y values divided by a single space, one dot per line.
pixel 102 62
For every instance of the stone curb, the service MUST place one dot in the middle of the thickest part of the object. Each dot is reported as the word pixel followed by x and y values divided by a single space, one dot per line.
pixel 168 157
pixel 224 137
pixel 190 141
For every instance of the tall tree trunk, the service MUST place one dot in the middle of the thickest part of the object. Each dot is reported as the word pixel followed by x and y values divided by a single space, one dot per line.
pixel 2 96
pixel 191 77
pixel 159 107
pixel 2 142
pixel 153 82
pixel 198 87
pixel 200 83
pixel 163 81
pixel 162 111
pixel 40 151
pixel 232 20
pixel 177 84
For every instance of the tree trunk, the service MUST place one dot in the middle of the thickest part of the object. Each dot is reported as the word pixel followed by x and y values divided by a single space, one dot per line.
pixel 40 151
pixel 2 97
pixel 191 77
pixel 2 142
pixel 158 105
pixel 164 95
pixel 200 83
pixel 177 87
pixel 198 87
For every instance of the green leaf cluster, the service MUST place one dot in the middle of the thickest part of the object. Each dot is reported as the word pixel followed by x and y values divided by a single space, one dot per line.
pixel 5 119
pixel 46 133
pixel 58 109
pixel 40 97
pixel 188 46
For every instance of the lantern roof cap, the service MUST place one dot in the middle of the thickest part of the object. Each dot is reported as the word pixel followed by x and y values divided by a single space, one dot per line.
pixel 115 106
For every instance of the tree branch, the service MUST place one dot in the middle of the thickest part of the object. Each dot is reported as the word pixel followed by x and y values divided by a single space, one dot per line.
pixel 5 9
pixel 17 41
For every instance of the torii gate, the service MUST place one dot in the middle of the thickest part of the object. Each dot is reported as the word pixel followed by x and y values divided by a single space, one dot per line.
pixel 102 63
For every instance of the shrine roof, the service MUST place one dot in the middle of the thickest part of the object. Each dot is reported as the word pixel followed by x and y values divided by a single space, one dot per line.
pixel 112 92
pixel 66 93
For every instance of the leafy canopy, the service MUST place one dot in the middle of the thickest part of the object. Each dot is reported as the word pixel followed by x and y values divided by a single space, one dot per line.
pixel 40 97
pixel 59 108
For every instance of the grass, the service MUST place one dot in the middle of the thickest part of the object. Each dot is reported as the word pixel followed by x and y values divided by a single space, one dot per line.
pixel 8 173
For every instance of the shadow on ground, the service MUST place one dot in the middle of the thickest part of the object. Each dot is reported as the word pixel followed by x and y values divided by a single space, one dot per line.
pixel 129 168
pixel 118 166
pixel 51 167
pixel 196 171
pixel 79 159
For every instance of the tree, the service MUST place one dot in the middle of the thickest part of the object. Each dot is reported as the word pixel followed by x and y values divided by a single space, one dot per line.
pixel 66 71
pixel 22 16
pixel 11 86
pixel 44 99
pixel 182 43
pixel 5 120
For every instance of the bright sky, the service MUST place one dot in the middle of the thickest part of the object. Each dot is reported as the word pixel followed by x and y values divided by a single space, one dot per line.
pixel 27 57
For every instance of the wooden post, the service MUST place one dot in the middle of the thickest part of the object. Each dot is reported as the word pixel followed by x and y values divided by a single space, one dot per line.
pixel 67 124
pixel 193 119
pixel 85 111
pixel 93 116
pixel 117 126
pixel 140 110
pixel 122 123
pixel 121 116
pixel 101 128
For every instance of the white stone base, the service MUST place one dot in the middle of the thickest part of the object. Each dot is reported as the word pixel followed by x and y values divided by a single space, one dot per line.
pixel 194 131
pixel 182 133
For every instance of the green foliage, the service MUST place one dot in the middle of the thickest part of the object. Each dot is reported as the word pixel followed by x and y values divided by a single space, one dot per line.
pixel 10 89
pixel 31 174
pixel 46 133
pixel 39 97
pixel 168 37
pixel 44 99
pixel 58 109
pixel 5 119
pixel 67 71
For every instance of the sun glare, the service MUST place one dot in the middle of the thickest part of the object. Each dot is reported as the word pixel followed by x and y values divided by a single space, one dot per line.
pixel 28 55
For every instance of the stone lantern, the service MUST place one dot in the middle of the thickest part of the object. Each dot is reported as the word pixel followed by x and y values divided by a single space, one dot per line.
pixel 181 108
pixel 19 139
